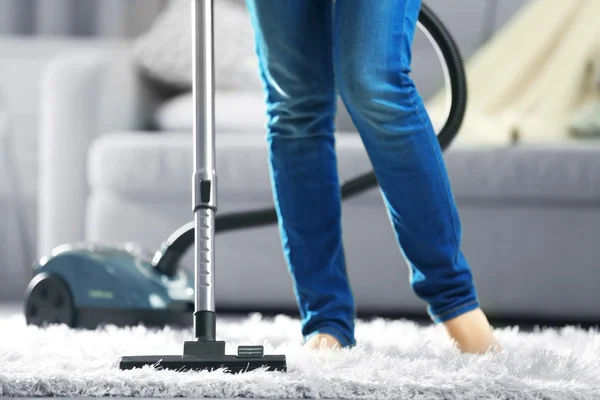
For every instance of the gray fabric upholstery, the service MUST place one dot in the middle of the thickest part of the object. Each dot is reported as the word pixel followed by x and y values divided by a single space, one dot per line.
pixel 565 174
pixel 22 65
pixel 85 93
pixel 14 209
pixel 133 163
pixel 537 260
pixel 124 164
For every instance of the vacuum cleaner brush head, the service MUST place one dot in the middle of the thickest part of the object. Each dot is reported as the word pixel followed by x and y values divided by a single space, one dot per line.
pixel 198 356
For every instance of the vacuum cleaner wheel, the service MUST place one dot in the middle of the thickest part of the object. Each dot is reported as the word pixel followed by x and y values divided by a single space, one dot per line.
pixel 48 301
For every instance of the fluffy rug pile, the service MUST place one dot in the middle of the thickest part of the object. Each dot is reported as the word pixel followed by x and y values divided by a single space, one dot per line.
pixel 394 359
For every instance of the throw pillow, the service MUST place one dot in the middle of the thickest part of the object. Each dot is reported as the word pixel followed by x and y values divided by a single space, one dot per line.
pixel 165 51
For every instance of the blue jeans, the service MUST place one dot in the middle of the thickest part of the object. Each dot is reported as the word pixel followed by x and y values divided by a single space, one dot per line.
pixel 310 50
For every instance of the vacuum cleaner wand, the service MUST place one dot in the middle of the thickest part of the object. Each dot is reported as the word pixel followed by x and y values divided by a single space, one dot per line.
pixel 205 352
pixel 204 179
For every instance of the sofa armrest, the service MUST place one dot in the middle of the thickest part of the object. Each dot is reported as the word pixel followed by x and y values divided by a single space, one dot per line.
pixel 84 93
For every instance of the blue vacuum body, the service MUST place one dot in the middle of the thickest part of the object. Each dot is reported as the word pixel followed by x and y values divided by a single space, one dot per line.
pixel 88 285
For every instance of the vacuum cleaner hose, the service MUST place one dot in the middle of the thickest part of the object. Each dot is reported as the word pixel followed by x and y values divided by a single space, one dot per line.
pixel 166 259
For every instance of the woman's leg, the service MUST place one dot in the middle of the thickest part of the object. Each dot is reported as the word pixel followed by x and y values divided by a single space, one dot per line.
pixel 372 47
pixel 294 46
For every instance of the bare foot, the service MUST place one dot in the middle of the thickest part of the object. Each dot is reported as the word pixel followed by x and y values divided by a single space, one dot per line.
pixel 322 341
pixel 472 333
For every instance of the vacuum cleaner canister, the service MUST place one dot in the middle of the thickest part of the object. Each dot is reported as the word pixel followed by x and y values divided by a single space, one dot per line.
pixel 89 285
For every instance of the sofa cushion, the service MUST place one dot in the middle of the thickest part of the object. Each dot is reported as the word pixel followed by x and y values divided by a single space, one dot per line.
pixel 141 164
pixel 528 174
pixel 138 164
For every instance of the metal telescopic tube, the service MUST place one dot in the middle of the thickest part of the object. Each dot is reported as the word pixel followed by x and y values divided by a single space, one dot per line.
pixel 204 177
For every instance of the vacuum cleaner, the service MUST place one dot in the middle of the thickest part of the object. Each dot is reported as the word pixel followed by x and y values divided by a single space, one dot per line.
pixel 88 285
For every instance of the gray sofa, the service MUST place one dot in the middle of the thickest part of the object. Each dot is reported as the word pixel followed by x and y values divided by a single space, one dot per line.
pixel 530 214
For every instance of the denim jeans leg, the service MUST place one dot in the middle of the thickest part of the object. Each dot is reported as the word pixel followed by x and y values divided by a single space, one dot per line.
pixel 294 47
pixel 372 47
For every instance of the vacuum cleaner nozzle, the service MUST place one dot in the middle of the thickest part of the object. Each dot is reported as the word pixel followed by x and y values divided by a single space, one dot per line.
pixel 207 353
pixel 210 356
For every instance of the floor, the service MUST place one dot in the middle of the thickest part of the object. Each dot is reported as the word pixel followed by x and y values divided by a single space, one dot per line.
pixel 8 309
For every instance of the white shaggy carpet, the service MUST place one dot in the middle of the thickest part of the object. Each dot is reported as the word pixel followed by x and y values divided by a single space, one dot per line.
pixel 394 360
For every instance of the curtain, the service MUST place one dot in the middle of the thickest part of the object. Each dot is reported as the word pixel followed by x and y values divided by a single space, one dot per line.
pixel 104 18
